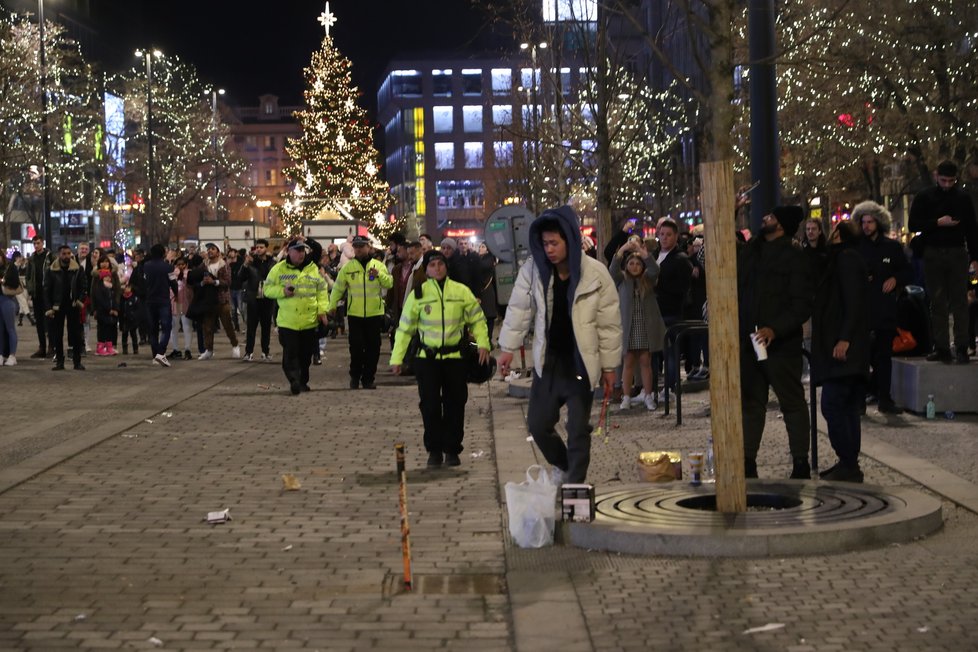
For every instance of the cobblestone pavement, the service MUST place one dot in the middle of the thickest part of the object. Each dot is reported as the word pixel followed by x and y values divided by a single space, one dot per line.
pixel 110 474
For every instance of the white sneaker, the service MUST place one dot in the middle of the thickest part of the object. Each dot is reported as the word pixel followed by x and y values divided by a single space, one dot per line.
pixel 265 357
pixel 11 361
pixel 236 352
pixel 161 360
pixel 249 357
pixel 639 399
pixel 650 403
pixel 661 398
pixel 626 402
pixel 206 355
pixel 2 362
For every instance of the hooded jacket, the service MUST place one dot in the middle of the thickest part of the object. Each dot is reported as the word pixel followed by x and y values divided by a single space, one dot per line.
pixel 591 297
pixel 841 313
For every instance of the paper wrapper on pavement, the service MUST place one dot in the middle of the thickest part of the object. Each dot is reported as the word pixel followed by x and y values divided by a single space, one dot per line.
pixel 290 482
pixel 660 466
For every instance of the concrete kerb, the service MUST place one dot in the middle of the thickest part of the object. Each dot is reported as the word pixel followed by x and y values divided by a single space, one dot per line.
pixel 536 596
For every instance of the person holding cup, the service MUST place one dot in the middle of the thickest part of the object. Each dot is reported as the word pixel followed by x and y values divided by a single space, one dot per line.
pixel 775 299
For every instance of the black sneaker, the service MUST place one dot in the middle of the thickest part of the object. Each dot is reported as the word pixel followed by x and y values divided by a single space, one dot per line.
pixel 305 387
pixel 961 356
pixel 39 355
pixel 295 388
pixel 800 469
pixel 840 473
pixel 435 459
pixel 887 406
pixel 186 355
pixel 79 367
pixel 370 385
pixel 940 355
pixel 58 366
pixel 451 459
pixel 354 383
pixel 827 471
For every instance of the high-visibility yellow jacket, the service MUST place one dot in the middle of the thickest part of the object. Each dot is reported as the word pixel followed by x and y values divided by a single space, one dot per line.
pixel 299 312
pixel 439 317
pixel 365 297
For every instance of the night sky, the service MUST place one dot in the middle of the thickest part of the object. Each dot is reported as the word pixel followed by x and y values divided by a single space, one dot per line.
pixel 253 47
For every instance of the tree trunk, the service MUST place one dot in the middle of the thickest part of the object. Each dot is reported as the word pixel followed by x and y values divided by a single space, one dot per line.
pixel 716 174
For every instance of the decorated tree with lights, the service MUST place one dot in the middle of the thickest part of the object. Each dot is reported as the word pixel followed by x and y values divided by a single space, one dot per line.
pixel 335 169
pixel 71 118
pixel 191 150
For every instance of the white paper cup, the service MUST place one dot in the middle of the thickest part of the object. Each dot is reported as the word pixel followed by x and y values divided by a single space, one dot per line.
pixel 760 349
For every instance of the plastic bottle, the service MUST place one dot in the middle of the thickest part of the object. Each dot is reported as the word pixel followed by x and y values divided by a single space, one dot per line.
pixel 931 408
pixel 709 464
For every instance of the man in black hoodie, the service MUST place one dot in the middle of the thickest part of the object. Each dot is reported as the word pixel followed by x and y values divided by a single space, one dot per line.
pixel 775 298
pixel 571 303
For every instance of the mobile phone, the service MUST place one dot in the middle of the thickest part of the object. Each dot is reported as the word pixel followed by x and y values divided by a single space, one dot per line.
pixel 751 188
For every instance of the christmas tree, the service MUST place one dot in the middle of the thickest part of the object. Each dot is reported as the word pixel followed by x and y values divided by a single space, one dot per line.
pixel 335 167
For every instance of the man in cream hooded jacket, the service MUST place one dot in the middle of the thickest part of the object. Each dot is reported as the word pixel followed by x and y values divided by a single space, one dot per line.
pixel 572 304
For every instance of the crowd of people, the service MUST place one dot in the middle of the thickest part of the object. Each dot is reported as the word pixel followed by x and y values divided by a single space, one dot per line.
pixel 835 295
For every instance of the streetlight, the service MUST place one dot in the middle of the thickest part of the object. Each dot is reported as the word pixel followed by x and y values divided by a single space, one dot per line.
pixel 214 93
pixel 148 56
pixel 531 95
pixel 42 66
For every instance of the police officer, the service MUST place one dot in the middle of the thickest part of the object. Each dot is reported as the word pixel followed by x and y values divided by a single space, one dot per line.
pixel 439 310
pixel 364 279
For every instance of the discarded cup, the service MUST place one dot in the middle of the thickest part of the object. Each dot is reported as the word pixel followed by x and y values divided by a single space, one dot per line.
pixel 760 348
pixel 696 468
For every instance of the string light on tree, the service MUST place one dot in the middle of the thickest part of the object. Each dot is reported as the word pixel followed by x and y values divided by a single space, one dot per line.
pixel 336 163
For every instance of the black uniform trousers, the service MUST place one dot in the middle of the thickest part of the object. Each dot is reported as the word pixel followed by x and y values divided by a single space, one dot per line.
pixel 443 394
pixel 946 275
pixel 71 318
pixel 364 347
pixel 782 373
pixel 297 351
pixel 259 311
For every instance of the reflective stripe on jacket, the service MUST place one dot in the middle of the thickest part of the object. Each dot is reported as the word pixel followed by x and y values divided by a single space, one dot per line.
pixel 299 312
pixel 440 317
pixel 365 296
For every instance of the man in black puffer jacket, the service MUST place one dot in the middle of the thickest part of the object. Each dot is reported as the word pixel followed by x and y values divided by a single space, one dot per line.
pixel 775 297
pixel 64 294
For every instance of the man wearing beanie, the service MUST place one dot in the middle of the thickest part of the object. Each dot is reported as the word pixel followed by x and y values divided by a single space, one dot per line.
pixel 945 216
pixel 775 298
pixel 888 271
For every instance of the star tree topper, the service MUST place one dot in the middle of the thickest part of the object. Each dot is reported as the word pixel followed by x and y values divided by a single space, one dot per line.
pixel 327 19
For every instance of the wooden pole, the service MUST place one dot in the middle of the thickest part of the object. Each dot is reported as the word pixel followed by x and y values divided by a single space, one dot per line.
pixel 402 501
pixel 719 227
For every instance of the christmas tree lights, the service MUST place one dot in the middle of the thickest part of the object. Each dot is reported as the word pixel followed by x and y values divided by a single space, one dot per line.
pixel 335 169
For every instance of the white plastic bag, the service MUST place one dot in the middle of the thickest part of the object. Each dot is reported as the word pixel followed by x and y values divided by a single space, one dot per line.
pixel 531 509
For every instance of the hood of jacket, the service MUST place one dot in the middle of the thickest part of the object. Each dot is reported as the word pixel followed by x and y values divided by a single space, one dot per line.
pixel 57 266
pixel 570 226
pixel 884 220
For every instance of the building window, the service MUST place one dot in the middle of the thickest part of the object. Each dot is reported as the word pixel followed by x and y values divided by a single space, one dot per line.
pixel 529 78
pixel 270 177
pixel 502 151
pixel 473 155
pixel 570 11
pixel 502 115
pixel 502 81
pixel 269 108
pixel 471 81
pixel 460 194
pixel 472 119
pixel 406 83
pixel 441 119
pixel 441 83
pixel 269 142
pixel 251 142
pixel 444 156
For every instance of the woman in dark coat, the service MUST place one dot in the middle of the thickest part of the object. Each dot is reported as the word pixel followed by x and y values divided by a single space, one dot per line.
pixel 840 348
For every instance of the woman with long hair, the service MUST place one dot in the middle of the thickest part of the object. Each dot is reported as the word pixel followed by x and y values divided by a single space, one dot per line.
pixel 643 330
